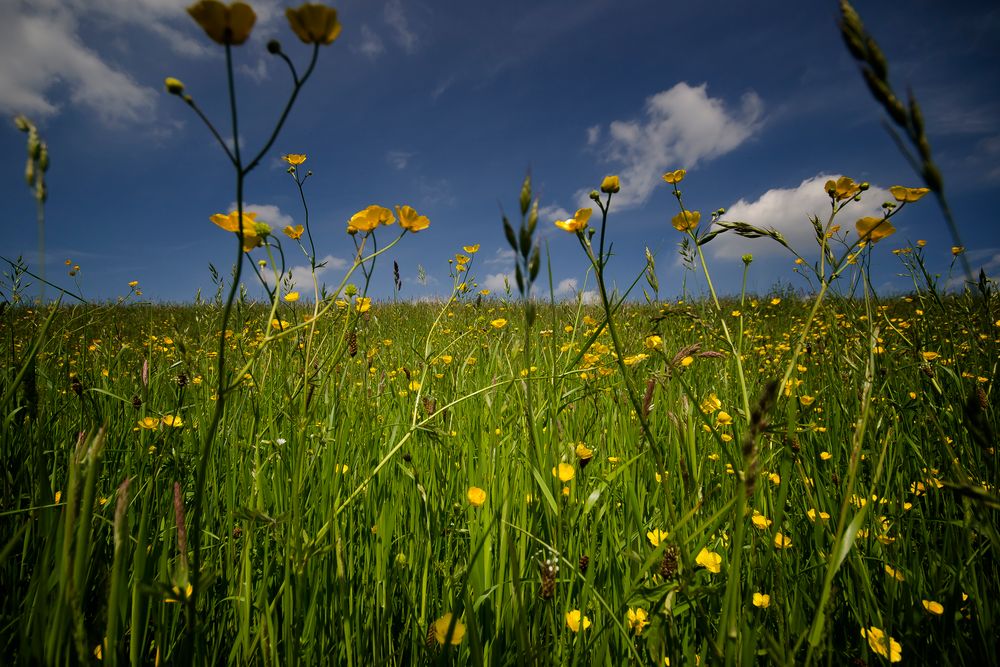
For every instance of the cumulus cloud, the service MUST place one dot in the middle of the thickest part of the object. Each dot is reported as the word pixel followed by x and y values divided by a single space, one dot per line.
pixel 551 213
pixel 301 276
pixel 498 282
pixel 681 127
pixel 788 210
pixel 43 55
pixel 41 51
pixel 503 256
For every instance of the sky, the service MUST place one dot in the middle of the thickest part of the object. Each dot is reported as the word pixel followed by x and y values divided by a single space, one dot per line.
pixel 445 106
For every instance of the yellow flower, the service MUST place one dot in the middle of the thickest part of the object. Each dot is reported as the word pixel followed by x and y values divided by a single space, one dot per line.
pixel 874 229
pixel 313 23
pixel 841 189
pixel 369 218
pixel 610 184
pixel 825 456
pixel 476 496
pixel 410 221
pixel 711 404
pixel 654 342
pixel 709 560
pixel 293 232
pixel 775 301
pixel 887 647
pixel 762 600
pixel 815 516
pixel 564 472
pixel 686 220
pixel 723 419
pixel 687 361
pixel 171 420
pixel 294 159
pixel 149 422
pixel 929 356
pixel 583 452
pixel 957 250
pixel 441 630
pixel 656 536
pixel 806 400
pixel 362 304
pixel 904 194
pixel 637 619
pixel 471 249
pixel 253 231
pixel 760 521
pixel 674 177
pixel 782 541
pixel 291 297
pixel 173 86
pixel 577 222
pixel 575 618
pixel 224 24
pixel 133 283
pixel 499 323
pixel 894 573
pixel 932 607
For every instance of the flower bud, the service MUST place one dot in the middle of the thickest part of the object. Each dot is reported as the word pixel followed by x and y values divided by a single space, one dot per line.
pixel 864 186
pixel 274 47
pixel 595 195
pixel 747 258
pixel 174 86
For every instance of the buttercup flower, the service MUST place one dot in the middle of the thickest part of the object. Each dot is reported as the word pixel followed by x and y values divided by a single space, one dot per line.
pixel 841 189
pixel 253 231
pixel 577 222
pixel 499 323
pixel 932 607
pixel 656 536
pixel 564 472
pixel 637 619
pixel 904 194
pixel 314 23
pixel 874 229
pixel 709 560
pixel 369 218
pixel 476 496
pixel 224 24
pixel 762 600
pixel 674 177
pixel 291 297
pixel 782 541
pixel 441 630
pixel 885 646
pixel 610 184
pixel 410 220
pixel 149 422
pixel 471 249
pixel 686 220
pixel 362 304
pixel 293 232
pixel 575 618
pixel 294 159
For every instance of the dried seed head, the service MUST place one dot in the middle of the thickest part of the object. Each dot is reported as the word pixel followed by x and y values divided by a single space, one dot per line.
pixel 352 343
pixel 668 566
pixel 584 563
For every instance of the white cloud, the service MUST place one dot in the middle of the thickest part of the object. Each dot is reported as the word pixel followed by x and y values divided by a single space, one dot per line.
pixel 593 135
pixel 501 256
pixel 268 213
pixel 398 159
pixel 682 126
pixel 398 21
pixel 566 287
pixel 498 282
pixel 371 45
pixel 41 51
pixel 43 55
pixel 302 275
pixel 788 210
pixel 549 214
pixel 256 73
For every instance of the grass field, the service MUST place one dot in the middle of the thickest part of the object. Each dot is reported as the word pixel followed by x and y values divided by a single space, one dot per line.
pixel 323 478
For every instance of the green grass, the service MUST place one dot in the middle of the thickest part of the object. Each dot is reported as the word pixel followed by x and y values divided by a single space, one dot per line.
pixel 337 527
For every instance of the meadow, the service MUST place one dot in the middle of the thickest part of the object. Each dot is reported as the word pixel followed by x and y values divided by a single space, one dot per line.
pixel 799 477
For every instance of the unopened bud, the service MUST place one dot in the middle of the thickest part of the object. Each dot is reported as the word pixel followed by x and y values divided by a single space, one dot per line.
pixel 864 186
pixel 747 258
pixel 274 47
pixel 174 86
pixel 595 195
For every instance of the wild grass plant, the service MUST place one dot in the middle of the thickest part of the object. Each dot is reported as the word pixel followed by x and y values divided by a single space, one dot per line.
pixel 504 479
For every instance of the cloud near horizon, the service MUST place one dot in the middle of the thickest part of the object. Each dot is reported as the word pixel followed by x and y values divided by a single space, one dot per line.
pixel 681 127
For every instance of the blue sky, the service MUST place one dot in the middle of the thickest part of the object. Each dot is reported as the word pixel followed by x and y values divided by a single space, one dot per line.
pixel 444 105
